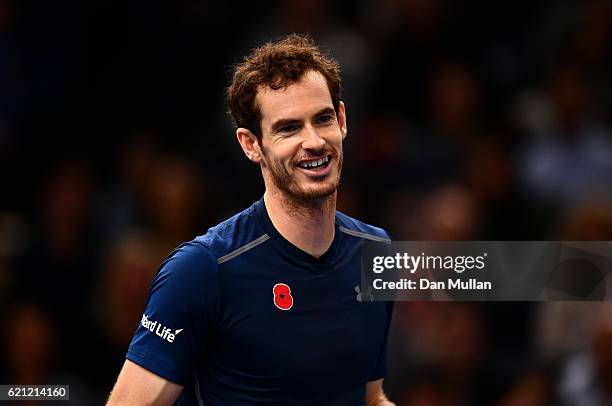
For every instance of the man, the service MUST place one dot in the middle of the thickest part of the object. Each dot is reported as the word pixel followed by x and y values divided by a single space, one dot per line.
pixel 263 309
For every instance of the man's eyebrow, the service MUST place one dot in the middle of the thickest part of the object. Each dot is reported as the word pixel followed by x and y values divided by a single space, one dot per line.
pixel 285 121
pixel 326 110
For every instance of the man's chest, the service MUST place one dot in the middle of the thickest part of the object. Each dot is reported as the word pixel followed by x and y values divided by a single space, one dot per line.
pixel 295 323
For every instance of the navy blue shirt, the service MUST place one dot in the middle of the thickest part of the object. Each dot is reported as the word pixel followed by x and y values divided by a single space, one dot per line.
pixel 240 316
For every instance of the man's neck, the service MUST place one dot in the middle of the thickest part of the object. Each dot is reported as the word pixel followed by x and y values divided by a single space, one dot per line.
pixel 308 227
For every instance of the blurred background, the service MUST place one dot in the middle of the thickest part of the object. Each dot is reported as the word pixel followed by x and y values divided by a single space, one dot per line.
pixel 467 121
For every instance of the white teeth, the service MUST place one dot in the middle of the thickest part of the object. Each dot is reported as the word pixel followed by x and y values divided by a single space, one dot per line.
pixel 314 164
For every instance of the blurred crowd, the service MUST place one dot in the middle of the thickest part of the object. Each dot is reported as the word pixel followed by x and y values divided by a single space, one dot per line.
pixel 467 121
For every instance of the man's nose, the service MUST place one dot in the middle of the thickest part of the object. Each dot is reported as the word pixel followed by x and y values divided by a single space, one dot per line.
pixel 312 139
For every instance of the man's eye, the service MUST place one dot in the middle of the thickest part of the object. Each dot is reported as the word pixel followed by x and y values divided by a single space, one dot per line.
pixel 325 119
pixel 288 129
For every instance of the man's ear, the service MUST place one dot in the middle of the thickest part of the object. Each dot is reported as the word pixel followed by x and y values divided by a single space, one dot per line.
pixel 249 143
pixel 342 119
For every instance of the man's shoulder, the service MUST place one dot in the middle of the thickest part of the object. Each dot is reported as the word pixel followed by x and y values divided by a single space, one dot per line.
pixel 204 253
pixel 359 229
pixel 240 230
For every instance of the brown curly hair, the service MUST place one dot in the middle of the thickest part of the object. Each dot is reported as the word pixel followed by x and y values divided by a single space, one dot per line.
pixel 277 65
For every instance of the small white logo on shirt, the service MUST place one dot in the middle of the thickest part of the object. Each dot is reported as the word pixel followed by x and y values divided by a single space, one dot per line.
pixel 164 332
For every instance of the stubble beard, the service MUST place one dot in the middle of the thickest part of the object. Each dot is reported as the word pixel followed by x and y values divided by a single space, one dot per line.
pixel 294 192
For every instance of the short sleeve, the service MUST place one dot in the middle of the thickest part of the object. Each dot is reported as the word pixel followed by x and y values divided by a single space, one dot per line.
pixel 380 370
pixel 178 321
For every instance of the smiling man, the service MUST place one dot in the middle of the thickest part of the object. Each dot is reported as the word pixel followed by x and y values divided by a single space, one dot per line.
pixel 263 309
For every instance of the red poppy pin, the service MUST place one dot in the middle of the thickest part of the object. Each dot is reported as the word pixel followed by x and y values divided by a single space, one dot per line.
pixel 282 296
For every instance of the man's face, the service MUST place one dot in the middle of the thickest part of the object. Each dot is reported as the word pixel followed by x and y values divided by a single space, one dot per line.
pixel 302 138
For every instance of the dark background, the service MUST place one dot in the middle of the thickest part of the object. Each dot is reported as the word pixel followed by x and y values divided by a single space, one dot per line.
pixel 467 121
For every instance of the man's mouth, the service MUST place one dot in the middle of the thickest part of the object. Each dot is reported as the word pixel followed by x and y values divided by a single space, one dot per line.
pixel 313 164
